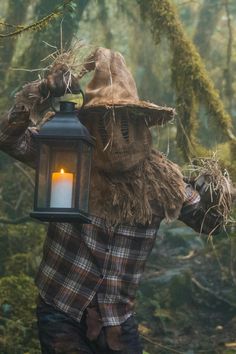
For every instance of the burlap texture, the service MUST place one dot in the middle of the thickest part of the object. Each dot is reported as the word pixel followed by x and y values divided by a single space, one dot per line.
pixel 113 87
pixel 121 142
pixel 154 187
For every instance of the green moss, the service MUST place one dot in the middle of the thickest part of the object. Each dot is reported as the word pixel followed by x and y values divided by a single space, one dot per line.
pixel 38 25
pixel 18 322
pixel 189 76
pixel 19 293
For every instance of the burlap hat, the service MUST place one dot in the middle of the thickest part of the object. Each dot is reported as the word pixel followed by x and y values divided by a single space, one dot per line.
pixel 113 88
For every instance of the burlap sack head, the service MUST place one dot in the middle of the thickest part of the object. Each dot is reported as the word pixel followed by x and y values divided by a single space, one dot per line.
pixel 115 116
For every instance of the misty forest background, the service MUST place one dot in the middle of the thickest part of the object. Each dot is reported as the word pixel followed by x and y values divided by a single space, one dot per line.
pixel 182 53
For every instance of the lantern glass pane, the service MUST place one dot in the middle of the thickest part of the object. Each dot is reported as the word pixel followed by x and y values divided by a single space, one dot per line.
pixel 63 176
pixel 42 199
pixel 84 177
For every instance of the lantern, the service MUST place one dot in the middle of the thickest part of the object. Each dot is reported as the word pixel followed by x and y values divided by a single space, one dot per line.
pixel 63 168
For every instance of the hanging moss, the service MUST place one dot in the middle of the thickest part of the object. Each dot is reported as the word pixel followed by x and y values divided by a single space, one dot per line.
pixel 189 76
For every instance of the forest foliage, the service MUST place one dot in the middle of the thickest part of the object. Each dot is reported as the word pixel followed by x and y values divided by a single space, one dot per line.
pixel 182 54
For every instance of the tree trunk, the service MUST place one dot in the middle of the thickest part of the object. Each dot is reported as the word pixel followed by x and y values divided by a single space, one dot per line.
pixel 103 15
pixel 208 19
pixel 16 15
pixel 189 76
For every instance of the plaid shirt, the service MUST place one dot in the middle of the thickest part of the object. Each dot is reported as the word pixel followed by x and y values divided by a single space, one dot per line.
pixel 86 262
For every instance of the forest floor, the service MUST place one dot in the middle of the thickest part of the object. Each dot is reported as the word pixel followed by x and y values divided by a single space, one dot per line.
pixel 188 294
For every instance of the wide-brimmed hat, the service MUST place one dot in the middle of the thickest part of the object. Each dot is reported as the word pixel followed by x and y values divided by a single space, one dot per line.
pixel 113 88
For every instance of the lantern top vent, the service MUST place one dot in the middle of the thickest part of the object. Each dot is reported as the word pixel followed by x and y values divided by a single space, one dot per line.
pixel 65 124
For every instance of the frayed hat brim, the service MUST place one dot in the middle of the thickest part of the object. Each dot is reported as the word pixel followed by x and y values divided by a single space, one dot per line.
pixel 153 114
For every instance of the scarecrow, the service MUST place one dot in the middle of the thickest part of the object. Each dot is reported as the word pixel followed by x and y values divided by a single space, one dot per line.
pixel 90 273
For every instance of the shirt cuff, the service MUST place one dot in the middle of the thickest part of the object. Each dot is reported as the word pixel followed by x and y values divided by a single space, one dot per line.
pixel 10 131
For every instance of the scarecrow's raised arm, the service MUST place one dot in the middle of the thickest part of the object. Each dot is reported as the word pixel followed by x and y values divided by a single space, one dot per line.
pixel 207 206
pixel 16 135
pixel 16 138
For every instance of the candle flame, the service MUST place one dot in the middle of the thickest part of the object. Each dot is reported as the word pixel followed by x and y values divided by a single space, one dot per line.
pixel 62 170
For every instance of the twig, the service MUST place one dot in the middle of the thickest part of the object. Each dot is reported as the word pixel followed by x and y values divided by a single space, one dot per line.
pixel 28 70
pixel 191 146
pixel 16 221
pixel 153 274
pixel 216 255
pixel 213 293
pixel 18 203
pixel 30 179
pixel 190 255
pixel 5 24
pixel 156 344
pixel 188 2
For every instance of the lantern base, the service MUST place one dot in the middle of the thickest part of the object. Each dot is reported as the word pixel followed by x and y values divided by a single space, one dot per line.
pixel 74 217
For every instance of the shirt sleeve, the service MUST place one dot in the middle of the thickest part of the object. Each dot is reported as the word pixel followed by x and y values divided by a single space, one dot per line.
pixel 193 214
pixel 18 140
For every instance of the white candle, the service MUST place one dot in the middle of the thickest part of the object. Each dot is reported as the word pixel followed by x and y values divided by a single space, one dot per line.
pixel 61 190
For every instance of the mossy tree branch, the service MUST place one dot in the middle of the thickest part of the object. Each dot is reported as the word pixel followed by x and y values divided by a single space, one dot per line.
pixel 38 25
pixel 189 76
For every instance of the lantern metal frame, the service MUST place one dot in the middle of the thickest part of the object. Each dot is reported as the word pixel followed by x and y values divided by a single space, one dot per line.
pixel 65 125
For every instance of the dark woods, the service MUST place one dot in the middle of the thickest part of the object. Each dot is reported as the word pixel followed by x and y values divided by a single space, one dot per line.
pixel 182 54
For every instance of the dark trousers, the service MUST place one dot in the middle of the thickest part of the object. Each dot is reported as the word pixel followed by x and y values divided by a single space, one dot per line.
pixel 58 333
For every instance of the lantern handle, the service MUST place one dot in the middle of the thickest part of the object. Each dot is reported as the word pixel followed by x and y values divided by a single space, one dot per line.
pixel 83 96
pixel 82 93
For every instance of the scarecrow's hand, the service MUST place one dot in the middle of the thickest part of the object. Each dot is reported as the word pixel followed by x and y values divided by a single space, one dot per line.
pixel 37 95
pixel 209 195
pixel 59 82
pixel 197 213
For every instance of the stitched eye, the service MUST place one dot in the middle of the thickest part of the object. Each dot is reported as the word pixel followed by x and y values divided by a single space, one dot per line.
pixel 124 126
